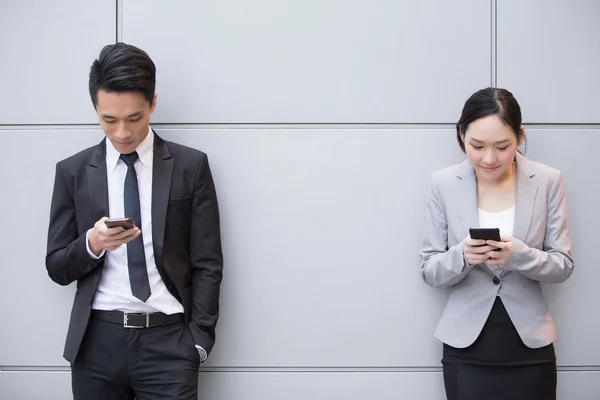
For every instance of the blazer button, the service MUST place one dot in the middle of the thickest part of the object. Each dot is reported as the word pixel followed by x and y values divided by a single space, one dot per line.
pixel 496 280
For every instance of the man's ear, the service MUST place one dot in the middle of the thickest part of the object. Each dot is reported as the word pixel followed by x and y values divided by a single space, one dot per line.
pixel 153 104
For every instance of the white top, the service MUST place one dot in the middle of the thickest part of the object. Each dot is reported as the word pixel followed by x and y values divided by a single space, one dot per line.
pixel 504 220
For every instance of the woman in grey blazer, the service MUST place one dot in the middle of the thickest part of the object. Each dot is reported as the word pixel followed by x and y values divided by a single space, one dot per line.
pixel 496 327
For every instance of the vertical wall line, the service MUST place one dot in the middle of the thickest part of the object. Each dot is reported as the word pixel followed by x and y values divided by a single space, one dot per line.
pixel 494 42
pixel 119 33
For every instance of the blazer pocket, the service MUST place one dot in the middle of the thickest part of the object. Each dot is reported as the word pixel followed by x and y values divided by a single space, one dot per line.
pixel 181 201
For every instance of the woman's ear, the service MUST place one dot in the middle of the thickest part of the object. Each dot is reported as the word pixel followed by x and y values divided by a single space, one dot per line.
pixel 521 137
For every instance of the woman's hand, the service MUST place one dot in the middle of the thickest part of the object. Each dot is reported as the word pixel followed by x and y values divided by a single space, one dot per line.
pixel 476 250
pixel 499 257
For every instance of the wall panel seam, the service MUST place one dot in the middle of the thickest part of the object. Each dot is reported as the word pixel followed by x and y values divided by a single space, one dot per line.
pixel 325 370
pixel 494 41
pixel 119 14
pixel 284 126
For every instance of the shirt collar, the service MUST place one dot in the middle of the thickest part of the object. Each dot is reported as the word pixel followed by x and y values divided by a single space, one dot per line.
pixel 145 151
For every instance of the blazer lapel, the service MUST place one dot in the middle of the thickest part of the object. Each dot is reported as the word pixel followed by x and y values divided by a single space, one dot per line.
pixel 162 172
pixel 97 182
pixel 465 192
pixel 526 190
pixel 98 191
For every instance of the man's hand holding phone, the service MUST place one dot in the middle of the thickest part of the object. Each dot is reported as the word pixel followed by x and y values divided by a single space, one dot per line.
pixel 102 237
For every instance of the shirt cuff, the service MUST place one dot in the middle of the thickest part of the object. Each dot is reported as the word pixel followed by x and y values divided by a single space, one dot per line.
pixel 87 246
pixel 202 353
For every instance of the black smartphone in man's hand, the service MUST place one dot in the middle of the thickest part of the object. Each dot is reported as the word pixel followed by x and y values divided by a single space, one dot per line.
pixel 125 223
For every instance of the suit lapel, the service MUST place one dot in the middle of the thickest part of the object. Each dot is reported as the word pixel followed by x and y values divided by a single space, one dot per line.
pixel 162 171
pixel 526 191
pixel 465 192
pixel 98 191
pixel 97 182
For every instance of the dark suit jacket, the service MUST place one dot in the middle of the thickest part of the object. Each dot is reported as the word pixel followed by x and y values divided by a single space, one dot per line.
pixel 185 231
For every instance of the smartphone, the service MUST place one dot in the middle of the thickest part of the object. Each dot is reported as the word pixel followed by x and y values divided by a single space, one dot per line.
pixel 485 234
pixel 125 223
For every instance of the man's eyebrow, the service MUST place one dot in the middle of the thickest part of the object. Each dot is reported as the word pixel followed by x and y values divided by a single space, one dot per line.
pixel 135 114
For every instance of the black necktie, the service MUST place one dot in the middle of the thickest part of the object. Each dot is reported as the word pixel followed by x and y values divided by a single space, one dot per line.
pixel 136 260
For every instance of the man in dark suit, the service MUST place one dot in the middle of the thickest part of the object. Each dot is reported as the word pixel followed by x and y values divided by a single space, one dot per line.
pixel 147 299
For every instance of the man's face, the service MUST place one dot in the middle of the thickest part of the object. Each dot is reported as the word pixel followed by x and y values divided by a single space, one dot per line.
pixel 125 118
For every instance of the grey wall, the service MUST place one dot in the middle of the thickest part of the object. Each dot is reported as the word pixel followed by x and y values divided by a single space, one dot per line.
pixel 322 121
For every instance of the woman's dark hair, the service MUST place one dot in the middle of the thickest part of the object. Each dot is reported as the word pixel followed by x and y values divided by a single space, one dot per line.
pixel 123 68
pixel 486 102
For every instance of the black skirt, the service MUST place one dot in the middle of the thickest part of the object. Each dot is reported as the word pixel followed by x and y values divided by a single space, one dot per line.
pixel 498 366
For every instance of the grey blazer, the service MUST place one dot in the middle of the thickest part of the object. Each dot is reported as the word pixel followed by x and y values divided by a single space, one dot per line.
pixel 541 252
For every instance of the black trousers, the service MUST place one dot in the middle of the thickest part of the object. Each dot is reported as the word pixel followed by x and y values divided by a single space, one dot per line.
pixel 120 363
pixel 498 366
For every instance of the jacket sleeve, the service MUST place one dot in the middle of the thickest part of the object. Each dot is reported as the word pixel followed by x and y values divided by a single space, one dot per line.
pixel 67 258
pixel 206 258
pixel 441 266
pixel 554 263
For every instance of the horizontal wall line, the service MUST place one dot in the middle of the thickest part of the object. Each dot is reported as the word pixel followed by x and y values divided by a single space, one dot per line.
pixel 248 369
pixel 281 126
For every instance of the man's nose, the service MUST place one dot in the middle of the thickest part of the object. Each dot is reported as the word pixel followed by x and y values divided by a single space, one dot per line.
pixel 122 132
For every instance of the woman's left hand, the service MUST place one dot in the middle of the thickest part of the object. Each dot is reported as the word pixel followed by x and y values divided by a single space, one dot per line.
pixel 499 257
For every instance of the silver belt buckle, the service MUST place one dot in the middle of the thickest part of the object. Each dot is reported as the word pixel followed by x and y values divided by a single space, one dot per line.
pixel 126 322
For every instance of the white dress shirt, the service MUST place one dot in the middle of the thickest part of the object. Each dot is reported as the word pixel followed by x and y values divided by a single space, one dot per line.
pixel 114 290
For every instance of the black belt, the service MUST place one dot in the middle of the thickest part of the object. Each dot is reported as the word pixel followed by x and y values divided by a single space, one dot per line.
pixel 137 320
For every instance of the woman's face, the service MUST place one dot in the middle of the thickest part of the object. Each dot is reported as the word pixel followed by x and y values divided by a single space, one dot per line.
pixel 491 145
